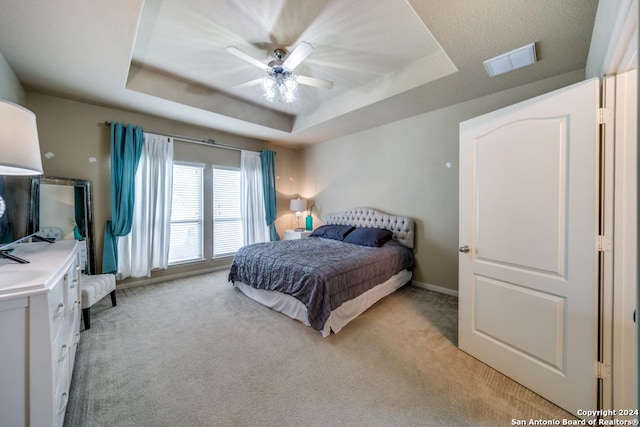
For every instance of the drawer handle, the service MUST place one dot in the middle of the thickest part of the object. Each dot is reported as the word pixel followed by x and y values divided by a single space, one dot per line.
pixel 64 350
pixel 59 310
pixel 73 284
pixel 63 403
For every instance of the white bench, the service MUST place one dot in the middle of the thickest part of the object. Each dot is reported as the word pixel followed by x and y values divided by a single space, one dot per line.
pixel 94 288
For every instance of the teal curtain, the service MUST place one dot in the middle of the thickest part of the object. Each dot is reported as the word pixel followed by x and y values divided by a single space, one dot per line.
pixel 267 160
pixel 126 148
pixel 78 207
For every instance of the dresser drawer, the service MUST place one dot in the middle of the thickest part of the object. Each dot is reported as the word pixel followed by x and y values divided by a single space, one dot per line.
pixel 72 281
pixel 61 355
pixel 71 323
pixel 75 340
pixel 61 394
pixel 65 344
pixel 57 307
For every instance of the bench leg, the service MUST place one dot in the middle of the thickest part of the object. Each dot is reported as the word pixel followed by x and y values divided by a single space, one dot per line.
pixel 113 298
pixel 86 317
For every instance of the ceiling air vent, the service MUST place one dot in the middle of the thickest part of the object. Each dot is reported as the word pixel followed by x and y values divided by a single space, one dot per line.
pixel 517 58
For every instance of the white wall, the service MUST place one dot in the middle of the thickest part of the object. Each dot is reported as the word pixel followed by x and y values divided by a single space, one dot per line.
pixel 401 169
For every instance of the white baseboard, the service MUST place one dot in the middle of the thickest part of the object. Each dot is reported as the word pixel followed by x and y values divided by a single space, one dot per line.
pixel 435 288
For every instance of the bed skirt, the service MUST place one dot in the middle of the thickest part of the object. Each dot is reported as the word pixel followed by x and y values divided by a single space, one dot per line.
pixel 339 317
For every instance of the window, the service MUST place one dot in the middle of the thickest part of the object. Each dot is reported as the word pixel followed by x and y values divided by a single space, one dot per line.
pixel 227 226
pixel 186 213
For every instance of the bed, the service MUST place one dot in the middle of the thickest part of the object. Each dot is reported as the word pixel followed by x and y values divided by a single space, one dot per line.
pixel 353 260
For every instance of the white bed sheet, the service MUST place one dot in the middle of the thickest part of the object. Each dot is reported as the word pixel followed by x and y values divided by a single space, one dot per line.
pixel 339 317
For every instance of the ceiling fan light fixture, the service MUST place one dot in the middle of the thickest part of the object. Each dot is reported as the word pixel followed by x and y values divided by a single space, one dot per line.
pixel 269 95
pixel 291 83
pixel 280 76
pixel 282 81
pixel 267 83
pixel 286 95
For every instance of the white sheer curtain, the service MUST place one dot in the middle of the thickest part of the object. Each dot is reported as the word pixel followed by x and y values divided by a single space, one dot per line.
pixel 254 225
pixel 147 246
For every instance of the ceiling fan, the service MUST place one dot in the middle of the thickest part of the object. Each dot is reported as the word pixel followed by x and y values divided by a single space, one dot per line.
pixel 280 77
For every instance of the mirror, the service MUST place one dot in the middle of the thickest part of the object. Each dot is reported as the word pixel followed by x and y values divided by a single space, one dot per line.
pixel 67 204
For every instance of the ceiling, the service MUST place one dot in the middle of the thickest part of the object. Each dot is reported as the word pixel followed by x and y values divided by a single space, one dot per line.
pixel 388 59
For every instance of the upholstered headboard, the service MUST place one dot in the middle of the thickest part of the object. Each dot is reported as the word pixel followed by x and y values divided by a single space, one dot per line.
pixel 50 233
pixel 402 227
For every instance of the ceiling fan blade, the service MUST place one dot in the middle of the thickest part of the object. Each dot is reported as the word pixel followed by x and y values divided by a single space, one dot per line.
pixel 311 81
pixel 250 59
pixel 247 84
pixel 299 54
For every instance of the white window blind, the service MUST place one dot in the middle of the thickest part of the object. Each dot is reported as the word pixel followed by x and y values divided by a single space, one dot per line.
pixel 186 213
pixel 227 227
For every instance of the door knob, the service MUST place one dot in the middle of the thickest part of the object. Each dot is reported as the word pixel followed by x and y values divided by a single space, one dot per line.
pixel 464 249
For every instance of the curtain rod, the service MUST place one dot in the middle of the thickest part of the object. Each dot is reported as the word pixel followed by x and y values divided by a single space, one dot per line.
pixel 209 142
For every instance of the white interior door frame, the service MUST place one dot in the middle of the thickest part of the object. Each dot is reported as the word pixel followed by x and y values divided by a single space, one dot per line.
pixel 620 344
pixel 622 52
pixel 607 201
pixel 624 268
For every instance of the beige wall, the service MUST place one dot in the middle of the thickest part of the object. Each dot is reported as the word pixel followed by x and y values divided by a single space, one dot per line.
pixel 288 181
pixel 401 169
pixel 10 88
pixel 75 132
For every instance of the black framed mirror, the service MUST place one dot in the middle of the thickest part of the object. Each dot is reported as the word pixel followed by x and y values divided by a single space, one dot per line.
pixel 67 204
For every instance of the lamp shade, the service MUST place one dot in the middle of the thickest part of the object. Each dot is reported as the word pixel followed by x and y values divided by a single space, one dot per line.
pixel 19 145
pixel 298 205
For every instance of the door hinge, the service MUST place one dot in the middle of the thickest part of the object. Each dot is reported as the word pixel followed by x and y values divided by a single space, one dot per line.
pixel 604 244
pixel 605 115
pixel 603 371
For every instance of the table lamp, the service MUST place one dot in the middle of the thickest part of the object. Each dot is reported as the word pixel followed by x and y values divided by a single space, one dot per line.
pixel 298 205
pixel 19 145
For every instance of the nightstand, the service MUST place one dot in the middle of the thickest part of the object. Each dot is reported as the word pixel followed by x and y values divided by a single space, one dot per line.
pixel 292 234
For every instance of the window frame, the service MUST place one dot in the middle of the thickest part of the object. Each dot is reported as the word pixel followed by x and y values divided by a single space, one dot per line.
pixel 202 167
pixel 213 216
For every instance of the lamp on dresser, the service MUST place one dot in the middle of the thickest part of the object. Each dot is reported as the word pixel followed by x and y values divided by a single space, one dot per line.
pixel 19 146
pixel 298 206
pixel 19 155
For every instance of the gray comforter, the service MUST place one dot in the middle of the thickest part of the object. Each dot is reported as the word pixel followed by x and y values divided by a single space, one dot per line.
pixel 320 273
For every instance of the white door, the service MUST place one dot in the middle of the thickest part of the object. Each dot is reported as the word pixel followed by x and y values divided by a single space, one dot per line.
pixel 529 220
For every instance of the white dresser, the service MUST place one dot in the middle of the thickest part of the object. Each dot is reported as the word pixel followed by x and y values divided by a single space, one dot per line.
pixel 39 332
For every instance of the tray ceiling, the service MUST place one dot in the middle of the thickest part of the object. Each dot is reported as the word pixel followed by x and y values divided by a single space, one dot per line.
pixel 387 59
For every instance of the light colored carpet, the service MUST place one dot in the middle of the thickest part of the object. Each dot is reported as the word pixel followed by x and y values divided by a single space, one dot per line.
pixel 197 352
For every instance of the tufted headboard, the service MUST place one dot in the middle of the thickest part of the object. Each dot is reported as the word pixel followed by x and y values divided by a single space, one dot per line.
pixel 402 227
pixel 50 233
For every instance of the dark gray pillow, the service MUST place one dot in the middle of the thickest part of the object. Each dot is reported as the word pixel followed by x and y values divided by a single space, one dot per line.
pixel 335 232
pixel 364 236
